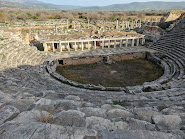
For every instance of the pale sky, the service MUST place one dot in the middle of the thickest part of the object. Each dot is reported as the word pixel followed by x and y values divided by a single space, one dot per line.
pixel 98 2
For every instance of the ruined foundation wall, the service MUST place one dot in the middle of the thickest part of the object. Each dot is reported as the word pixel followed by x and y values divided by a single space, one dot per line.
pixel 94 59
pixel 128 56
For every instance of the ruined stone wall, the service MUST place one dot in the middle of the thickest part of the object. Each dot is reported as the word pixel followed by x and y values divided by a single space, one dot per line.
pixel 128 56
pixel 81 60
pixel 153 33
pixel 94 59
pixel 15 29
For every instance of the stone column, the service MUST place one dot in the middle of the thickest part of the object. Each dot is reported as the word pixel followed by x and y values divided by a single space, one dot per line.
pixel 156 20
pixel 103 29
pixel 128 25
pixel 143 41
pixel 122 24
pixel 140 23
pixel 68 47
pixel 75 47
pixel 132 25
pixel 138 42
pixel 117 24
pixel 94 44
pixel 133 42
pixel 82 46
pixel 45 47
pixel 126 43
pixel 136 24
pixel 60 46
pixel 53 46
pixel 120 43
pixel 103 44
pixel 114 43
pixel 88 46
pixel 109 44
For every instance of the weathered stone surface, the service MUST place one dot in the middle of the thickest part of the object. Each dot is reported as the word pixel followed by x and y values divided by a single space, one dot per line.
pixel 145 113
pixel 174 111
pixel 117 113
pixel 108 101
pixel 42 131
pixel 178 132
pixel 167 122
pixel 72 97
pixel 70 118
pixel 110 107
pixel 66 105
pixel 87 104
pixel 136 124
pixel 8 113
pixel 42 116
pixel 44 101
pixel 137 134
pixel 25 117
pixel 56 104
pixel 99 123
pixel 89 111
pixel 22 87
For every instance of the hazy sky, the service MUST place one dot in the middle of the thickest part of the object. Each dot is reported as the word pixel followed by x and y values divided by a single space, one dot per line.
pixel 96 2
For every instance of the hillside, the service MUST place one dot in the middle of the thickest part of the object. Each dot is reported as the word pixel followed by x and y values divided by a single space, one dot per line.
pixel 136 6
pixel 34 4
pixel 139 6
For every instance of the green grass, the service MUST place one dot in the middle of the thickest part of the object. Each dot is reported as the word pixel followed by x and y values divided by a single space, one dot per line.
pixel 1 39
pixel 73 77
pixel 121 103
pixel 120 74
pixel 160 108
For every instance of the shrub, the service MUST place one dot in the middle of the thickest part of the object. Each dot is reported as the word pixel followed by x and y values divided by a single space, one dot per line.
pixel 165 25
pixel 160 108
pixel 121 103
pixel 43 116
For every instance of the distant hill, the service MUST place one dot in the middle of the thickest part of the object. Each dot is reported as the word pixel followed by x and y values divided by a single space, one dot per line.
pixel 135 6
pixel 35 5
pixel 139 6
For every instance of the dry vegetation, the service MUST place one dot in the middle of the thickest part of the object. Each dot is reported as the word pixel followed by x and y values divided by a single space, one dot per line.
pixel 120 74
pixel 22 15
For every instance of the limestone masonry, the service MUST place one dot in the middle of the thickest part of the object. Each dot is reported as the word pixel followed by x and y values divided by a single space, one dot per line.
pixel 36 104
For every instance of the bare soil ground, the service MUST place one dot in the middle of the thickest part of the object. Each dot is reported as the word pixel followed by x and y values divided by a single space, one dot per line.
pixel 121 74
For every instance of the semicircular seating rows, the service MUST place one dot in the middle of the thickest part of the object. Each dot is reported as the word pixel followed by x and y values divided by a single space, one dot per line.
pixel 34 105
pixel 15 54
pixel 171 49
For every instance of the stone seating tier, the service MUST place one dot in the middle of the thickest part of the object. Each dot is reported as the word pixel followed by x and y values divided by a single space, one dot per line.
pixel 26 90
